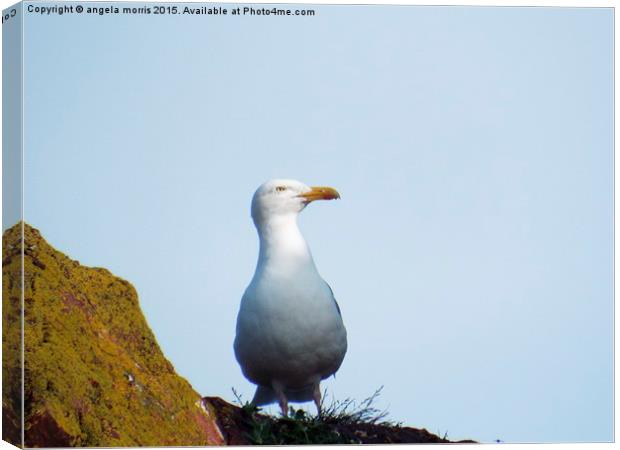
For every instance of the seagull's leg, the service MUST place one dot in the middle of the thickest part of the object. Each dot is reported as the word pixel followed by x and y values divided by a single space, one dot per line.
pixel 282 400
pixel 316 394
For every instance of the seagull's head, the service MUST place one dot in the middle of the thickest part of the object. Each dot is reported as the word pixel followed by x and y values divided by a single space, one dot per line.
pixel 286 197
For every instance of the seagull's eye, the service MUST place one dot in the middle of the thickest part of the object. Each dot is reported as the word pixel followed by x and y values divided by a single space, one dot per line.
pixel 280 188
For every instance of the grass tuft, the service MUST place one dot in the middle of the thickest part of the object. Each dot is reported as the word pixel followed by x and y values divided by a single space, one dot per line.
pixel 349 412
pixel 332 426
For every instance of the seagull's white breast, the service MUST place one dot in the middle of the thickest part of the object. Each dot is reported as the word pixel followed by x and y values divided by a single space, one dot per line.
pixel 289 328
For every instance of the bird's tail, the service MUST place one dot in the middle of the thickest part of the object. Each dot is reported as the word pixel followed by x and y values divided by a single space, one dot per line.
pixel 264 396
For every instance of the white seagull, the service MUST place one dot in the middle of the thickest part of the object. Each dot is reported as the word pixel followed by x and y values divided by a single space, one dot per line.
pixel 290 333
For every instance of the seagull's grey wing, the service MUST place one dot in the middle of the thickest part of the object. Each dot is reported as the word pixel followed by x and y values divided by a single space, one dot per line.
pixel 332 291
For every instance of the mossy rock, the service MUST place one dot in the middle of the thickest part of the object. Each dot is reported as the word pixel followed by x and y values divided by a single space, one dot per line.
pixel 94 373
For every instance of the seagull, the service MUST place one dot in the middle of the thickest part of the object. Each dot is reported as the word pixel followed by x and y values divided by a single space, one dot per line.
pixel 290 333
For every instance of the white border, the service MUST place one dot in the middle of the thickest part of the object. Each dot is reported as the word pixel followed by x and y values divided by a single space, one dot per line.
pixel 522 3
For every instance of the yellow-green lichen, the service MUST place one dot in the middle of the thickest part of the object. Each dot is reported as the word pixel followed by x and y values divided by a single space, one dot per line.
pixel 92 365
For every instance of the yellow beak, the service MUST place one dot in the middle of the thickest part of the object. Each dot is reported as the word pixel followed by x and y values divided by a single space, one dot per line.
pixel 320 193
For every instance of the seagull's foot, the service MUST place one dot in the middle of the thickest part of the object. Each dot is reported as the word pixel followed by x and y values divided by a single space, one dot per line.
pixel 316 395
pixel 282 400
pixel 284 408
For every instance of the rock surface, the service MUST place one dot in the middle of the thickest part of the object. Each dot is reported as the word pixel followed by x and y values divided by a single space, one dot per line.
pixel 94 373
pixel 242 426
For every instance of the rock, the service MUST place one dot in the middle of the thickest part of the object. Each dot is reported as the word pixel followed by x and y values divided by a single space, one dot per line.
pixel 242 426
pixel 94 373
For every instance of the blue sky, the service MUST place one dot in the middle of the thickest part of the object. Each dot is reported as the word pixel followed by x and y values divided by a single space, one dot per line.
pixel 471 253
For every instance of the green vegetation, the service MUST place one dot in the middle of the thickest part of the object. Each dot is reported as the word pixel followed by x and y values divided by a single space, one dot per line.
pixel 342 422
pixel 94 373
pixel 297 428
